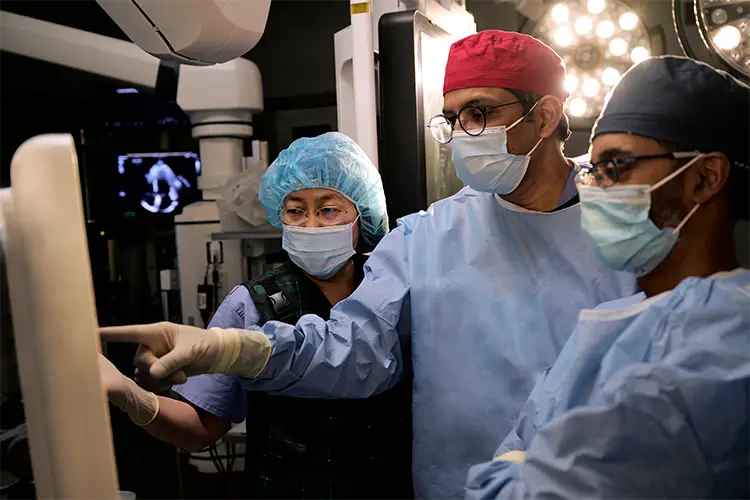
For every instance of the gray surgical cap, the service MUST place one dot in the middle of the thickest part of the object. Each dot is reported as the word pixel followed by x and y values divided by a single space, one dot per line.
pixel 683 102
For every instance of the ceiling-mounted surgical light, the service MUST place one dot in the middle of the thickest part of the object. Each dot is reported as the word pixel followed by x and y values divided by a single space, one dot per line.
pixel 583 25
pixel 618 47
pixel 598 40
pixel 628 21
pixel 724 28
pixel 560 13
pixel 596 6
pixel 639 54
pixel 610 77
pixel 577 107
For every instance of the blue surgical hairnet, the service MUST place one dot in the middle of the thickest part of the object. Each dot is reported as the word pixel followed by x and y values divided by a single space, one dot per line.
pixel 329 161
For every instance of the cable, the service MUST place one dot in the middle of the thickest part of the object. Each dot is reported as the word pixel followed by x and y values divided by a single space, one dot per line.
pixel 232 455
pixel 215 280
pixel 180 485
pixel 206 298
pixel 216 460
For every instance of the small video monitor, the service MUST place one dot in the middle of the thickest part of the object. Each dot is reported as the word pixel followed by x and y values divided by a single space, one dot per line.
pixel 152 184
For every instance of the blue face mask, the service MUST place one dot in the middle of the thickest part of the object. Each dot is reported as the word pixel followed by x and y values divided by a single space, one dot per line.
pixel 319 251
pixel 621 233
pixel 484 163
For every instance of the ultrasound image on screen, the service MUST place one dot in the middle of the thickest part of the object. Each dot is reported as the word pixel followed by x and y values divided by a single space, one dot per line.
pixel 156 183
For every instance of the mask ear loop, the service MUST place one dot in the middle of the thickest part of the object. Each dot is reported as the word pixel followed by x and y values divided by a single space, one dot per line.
pixel 519 121
pixel 669 178
pixel 686 219
pixel 535 146
pixel 522 118
pixel 675 173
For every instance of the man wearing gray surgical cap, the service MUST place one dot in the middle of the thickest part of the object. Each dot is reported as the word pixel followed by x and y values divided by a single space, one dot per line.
pixel 650 396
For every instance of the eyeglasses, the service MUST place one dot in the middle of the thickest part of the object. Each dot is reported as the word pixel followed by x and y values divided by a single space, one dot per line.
pixel 472 119
pixel 326 216
pixel 606 173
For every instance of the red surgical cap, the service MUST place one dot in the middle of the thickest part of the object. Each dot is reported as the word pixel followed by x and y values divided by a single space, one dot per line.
pixel 507 60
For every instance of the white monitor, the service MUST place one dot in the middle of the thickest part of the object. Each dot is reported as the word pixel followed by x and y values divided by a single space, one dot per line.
pixel 54 317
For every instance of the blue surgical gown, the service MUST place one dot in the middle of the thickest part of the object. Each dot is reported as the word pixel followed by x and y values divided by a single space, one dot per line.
pixel 647 400
pixel 486 293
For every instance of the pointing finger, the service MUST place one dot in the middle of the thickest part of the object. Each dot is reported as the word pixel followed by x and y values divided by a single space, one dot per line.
pixel 137 334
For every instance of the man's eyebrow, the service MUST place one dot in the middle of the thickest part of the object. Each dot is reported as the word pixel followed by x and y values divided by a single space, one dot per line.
pixel 614 152
pixel 476 101
pixel 294 198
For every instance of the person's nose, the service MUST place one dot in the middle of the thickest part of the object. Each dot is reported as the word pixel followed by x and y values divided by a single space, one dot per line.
pixel 312 221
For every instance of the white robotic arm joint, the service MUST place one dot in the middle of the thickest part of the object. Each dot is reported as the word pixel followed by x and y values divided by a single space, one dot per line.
pixel 202 33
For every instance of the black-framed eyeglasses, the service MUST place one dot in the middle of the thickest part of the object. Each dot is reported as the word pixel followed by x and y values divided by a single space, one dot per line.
pixel 605 173
pixel 472 120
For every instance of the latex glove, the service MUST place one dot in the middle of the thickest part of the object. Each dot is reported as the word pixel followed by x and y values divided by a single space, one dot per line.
pixel 141 406
pixel 173 352
pixel 515 456
pixel 142 377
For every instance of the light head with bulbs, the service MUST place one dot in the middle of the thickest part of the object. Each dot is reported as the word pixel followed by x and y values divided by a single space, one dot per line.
pixel 598 40
pixel 725 29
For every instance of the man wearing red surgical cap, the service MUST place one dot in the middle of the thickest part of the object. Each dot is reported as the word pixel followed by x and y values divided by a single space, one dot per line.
pixel 479 292
pixel 503 97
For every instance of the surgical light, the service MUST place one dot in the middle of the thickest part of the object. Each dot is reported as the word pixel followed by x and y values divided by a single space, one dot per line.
pixel 618 47
pixel 727 38
pixel 598 40
pixel 719 16
pixel 560 13
pixel 605 29
pixel 610 77
pixel 583 25
pixel 639 54
pixel 590 87
pixel 571 83
pixel 628 21
pixel 563 37
pixel 723 26
pixel 577 107
pixel 596 6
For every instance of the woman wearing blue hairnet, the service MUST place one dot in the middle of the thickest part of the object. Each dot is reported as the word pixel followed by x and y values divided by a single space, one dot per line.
pixel 328 198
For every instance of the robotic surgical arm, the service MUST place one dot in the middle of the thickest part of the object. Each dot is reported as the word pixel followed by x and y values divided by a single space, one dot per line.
pixel 196 32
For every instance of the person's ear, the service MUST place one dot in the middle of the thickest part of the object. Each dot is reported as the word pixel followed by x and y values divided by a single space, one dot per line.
pixel 709 176
pixel 548 114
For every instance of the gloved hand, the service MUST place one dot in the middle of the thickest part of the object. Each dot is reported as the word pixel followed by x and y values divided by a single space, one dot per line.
pixel 140 405
pixel 171 352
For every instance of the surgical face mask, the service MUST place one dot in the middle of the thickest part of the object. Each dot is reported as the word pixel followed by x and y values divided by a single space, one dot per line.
pixel 319 251
pixel 616 220
pixel 484 163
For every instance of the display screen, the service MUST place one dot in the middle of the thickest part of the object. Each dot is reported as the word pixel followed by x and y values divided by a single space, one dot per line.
pixel 156 183
pixel 440 175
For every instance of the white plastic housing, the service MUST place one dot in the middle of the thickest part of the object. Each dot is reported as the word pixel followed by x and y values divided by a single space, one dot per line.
pixel 73 48
pixel 195 32
pixel 233 85
pixel 54 316
pixel 363 74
